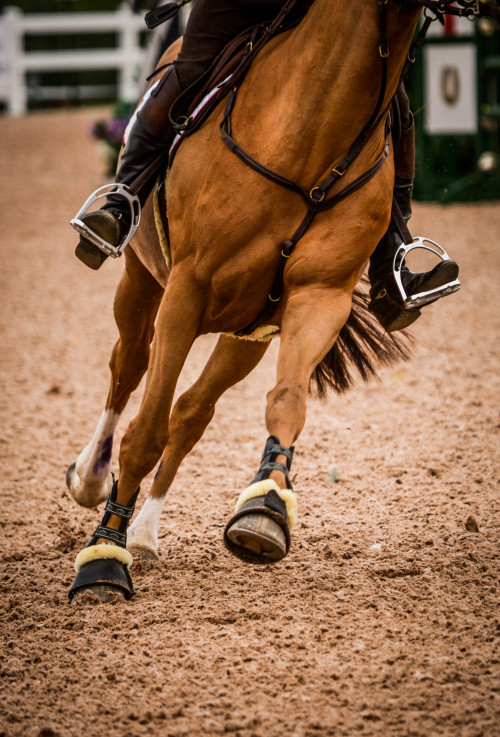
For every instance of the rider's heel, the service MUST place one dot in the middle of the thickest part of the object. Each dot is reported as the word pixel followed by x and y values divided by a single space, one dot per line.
pixel 90 255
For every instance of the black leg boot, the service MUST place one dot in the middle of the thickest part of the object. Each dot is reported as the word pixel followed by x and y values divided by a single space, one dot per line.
pixel 387 303
pixel 147 148
pixel 386 300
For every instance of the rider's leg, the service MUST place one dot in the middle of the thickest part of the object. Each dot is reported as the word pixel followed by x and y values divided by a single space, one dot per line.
pixel 147 144
pixel 212 24
pixel 386 301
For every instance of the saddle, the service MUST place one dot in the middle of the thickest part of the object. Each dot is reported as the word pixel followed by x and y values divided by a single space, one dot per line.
pixel 231 64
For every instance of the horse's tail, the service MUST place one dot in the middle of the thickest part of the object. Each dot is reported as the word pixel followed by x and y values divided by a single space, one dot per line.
pixel 363 344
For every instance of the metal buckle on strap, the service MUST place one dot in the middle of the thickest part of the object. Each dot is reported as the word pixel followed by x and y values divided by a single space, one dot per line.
pixel 421 298
pixel 476 11
pixel 94 238
pixel 312 195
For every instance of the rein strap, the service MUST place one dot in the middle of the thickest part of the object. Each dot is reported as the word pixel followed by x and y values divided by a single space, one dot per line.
pixel 461 8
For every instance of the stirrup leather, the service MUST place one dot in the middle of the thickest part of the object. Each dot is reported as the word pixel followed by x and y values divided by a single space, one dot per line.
pixel 94 238
pixel 421 298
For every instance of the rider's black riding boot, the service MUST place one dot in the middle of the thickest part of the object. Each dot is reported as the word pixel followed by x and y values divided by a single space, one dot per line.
pixel 147 147
pixel 386 300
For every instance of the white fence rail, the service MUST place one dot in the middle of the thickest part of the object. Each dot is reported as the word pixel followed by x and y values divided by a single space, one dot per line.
pixel 15 62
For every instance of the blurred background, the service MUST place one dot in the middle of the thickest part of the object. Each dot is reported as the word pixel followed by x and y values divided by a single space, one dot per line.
pixel 81 53
pixel 383 621
pixel 71 53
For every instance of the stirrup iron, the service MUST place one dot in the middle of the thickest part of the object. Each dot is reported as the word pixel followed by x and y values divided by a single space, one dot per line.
pixel 90 235
pixel 421 298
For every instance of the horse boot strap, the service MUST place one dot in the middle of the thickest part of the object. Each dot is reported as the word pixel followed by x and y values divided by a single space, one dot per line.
pixel 107 565
pixel 265 471
pixel 268 463
pixel 273 448
pixel 125 512
pixel 259 530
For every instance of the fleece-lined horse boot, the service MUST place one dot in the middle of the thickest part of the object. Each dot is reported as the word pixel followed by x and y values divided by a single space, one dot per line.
pixel 396 293
pixel 106 232
pixel 265 515
pixel 103 568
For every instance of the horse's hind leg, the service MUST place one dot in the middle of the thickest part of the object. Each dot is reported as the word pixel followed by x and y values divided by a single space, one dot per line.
pixel 231 360
pixel 266 512
pixel 136 303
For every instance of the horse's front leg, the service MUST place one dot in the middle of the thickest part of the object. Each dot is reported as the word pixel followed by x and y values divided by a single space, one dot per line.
pixel 266 511
pixel 137 299
pixel 103 566
pixel 231 361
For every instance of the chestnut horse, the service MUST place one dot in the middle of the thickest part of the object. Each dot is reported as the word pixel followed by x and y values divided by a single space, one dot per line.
pixel 305 99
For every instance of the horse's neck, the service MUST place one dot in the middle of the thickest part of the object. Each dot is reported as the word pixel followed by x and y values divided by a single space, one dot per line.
pixel 338 44
pixel 325 77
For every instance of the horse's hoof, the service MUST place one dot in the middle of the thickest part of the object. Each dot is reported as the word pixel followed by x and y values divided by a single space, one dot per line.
pixel 69 475
pixel 144 558
pixel 89 494
pixel 98 594
pixel 256 538
pixel 105 578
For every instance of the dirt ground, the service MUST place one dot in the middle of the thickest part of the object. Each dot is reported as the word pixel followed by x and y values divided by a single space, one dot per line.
pixel 383 620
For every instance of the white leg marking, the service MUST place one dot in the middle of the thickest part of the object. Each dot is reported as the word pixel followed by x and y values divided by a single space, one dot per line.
pixel 144 529
pixel 91 480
